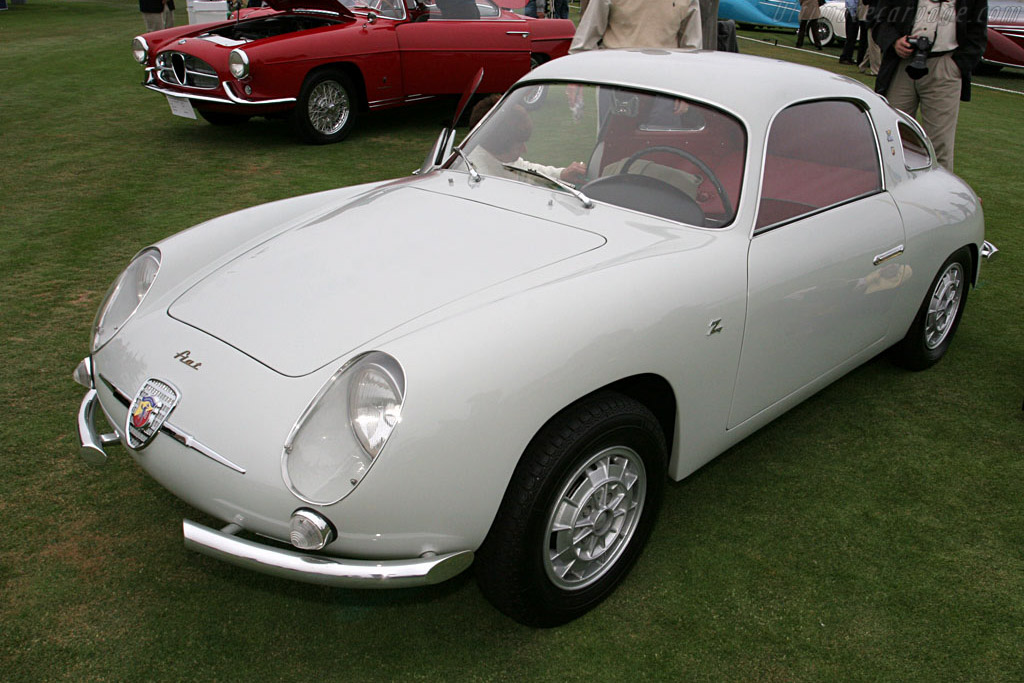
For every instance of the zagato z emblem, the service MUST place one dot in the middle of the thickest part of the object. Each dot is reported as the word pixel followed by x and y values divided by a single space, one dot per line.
pixel 149 409
pixel 715 326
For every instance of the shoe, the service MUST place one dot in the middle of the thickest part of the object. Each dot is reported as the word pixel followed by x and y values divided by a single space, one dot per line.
pixel 847 61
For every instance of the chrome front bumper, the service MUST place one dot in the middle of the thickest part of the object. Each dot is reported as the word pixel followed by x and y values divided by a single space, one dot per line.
pixel 151 84
pixel 280 562
pixel 322 569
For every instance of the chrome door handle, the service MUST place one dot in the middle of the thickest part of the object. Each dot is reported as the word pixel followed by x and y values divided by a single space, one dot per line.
pixel 886 255
pixel 524 34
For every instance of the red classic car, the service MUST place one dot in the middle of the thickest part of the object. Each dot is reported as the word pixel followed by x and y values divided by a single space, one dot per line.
pixel 1005 35
pixel 325 62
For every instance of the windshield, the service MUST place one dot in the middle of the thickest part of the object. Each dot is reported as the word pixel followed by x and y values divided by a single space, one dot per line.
pixel 661 155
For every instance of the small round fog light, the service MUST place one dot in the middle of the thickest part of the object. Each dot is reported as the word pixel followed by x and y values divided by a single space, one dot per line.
pixel 309 531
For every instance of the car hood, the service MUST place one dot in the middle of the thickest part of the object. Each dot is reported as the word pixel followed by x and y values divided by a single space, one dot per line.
pixel 327 5
pixel 318 291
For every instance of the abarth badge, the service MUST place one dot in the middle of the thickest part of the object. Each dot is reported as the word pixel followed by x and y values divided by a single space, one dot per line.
pixel 151 406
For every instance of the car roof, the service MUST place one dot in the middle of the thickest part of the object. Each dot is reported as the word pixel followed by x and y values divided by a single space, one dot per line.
pixel 753 87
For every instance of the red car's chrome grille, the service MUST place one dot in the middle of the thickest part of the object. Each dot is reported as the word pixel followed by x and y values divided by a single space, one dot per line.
pixel 178 68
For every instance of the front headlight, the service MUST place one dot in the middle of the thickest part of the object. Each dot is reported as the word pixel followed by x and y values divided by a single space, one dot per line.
pixel 140 50
pixel 238 63
pixel 344 429
pixel 125 296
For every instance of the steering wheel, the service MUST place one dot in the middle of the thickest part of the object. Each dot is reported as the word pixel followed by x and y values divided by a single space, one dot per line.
pixel 708 173
pixel 383 6
pixel 646 194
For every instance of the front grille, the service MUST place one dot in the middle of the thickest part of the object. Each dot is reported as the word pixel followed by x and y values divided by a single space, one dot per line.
pixel 178 68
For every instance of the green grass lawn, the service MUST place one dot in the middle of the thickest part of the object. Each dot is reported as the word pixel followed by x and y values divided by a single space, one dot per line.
pixel 876 532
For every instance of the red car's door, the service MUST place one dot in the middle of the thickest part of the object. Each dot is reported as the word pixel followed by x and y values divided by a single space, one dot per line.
pixel 440 55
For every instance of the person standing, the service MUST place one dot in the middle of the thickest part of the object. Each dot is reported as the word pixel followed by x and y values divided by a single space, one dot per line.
pixel 639 23
pixel 810 13
pixel 158 14
pixel 947 38
pixel 559 9
pixel 536 9
pixel 856 32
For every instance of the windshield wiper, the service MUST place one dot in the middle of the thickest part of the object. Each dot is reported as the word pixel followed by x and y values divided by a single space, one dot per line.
pixel 587 202
pixel 473 173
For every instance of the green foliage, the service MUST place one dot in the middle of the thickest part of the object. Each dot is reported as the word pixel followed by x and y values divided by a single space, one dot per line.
pixel 873 533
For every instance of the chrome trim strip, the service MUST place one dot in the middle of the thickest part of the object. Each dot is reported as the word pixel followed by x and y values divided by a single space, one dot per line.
pixel 235 99
pixel 189 441
pixel 988 250
pixel 886 255
pixel 92 443
pixel 176 433
pixel 321 569
pixel 220 100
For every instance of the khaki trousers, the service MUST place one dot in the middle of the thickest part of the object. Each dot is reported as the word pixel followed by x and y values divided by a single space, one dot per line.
pixel 934 99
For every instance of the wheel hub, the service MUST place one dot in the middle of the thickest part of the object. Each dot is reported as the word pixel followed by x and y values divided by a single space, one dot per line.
pixel 594 517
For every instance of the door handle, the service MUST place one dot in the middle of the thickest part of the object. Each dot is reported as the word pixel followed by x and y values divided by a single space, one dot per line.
pixel 524 34
pixel 886 255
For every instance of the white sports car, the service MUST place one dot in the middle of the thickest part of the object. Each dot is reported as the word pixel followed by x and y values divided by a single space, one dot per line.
pixel 636 259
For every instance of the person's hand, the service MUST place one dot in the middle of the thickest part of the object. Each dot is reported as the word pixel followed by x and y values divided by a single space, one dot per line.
pixel 540 14
pixel 574 172
pixel 903 48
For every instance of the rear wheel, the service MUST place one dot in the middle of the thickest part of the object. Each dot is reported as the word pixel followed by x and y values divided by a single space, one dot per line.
pixel 577 511
pixel 326 109
pixel 825 31
pixel 933 328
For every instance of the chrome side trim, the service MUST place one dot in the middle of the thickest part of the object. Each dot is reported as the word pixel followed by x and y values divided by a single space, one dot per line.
pixel 988 250
pixel 321 569
pixel 886 255
pixel 92 443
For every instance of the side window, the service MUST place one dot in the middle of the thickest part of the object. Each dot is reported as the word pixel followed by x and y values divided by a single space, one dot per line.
pixel 915 151
pixel 819 154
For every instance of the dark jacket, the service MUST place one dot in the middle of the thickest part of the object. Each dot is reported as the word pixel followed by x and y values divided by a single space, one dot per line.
pixel 895 18
pixel 154 6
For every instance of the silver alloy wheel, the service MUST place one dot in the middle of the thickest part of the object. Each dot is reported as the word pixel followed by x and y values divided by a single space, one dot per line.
pixel 329 107
pixel 594 517
pixel 943 305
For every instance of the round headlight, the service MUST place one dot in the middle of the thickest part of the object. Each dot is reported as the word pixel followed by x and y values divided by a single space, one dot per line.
pixel 343 431
pixel 124 296
pixel 238 63
pixel 140 50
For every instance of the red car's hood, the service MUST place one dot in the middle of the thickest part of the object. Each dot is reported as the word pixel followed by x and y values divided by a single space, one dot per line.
pixel 328 5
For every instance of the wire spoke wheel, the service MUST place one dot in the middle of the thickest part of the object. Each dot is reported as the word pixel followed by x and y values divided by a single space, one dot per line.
pixel 329 107
pixel 594 517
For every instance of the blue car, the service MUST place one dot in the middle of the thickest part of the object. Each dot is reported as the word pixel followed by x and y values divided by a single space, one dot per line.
pixel 782 13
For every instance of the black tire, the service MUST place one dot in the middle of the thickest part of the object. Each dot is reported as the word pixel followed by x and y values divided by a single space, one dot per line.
pixel 533 566
pixel 933 328
pixel 327 108
pixel 825 31
pixel 221 118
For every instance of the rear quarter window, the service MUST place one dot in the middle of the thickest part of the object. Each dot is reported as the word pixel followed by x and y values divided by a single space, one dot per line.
pixel 819 154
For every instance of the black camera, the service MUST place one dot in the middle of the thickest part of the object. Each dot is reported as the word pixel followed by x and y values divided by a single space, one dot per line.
pixel 918 66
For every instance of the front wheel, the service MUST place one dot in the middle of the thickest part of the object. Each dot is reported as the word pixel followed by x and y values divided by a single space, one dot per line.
pixel 577 511
pixel 326 109
pixel 933 328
